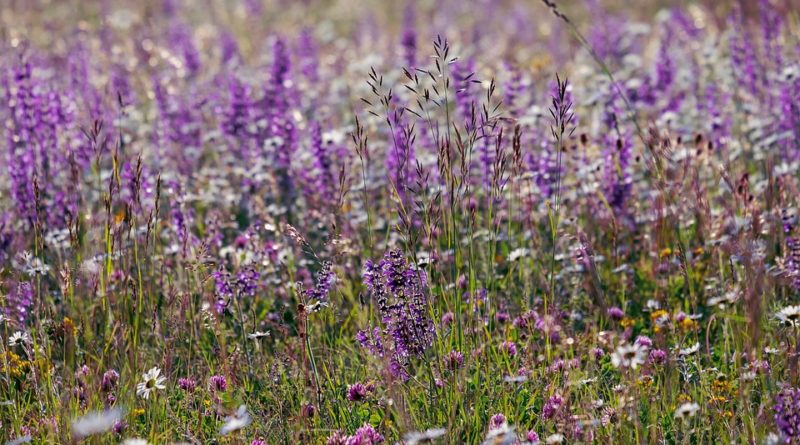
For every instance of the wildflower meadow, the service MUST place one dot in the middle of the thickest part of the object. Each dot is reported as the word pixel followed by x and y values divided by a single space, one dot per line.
pixel 361 222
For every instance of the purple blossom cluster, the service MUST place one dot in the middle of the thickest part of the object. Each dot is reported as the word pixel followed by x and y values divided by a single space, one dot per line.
pixel 19 303
pixel 365 435
pixel 228 286
pixel 325 280
pixel 787 413
pixel 400 292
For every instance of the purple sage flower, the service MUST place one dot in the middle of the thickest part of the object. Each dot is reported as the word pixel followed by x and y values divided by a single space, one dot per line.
pixel 787 413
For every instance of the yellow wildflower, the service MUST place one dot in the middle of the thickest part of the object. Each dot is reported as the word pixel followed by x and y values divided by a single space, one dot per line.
pixel 718 399
pixel 661 313
pixel 688 324
pixel 12 364
pixel 721 386
pixel 645 381
pixel 69 326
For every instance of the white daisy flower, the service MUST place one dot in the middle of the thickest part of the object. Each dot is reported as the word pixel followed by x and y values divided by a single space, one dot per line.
pixel 431 434
pixel 424 260
pixel 773 439
pixel 31 265
pixel 790 316
pixel 502 435
pixel 690 350
pixel 152 380
pixel 554 438
pixel 135 441
pixel 518 253
pixel 629 356
pixel 315 306
pixel 18 338
pixel 515 379
pixel 687 410
pixel 20 440
pixel 95 422
pixel 257 335
pixel 237 421
pixel 728 298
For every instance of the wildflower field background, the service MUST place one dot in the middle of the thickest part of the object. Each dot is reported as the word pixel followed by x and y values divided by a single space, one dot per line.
pixel 365 222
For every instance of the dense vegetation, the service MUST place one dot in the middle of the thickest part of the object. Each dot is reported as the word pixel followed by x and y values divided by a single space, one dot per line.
pixel 363 222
